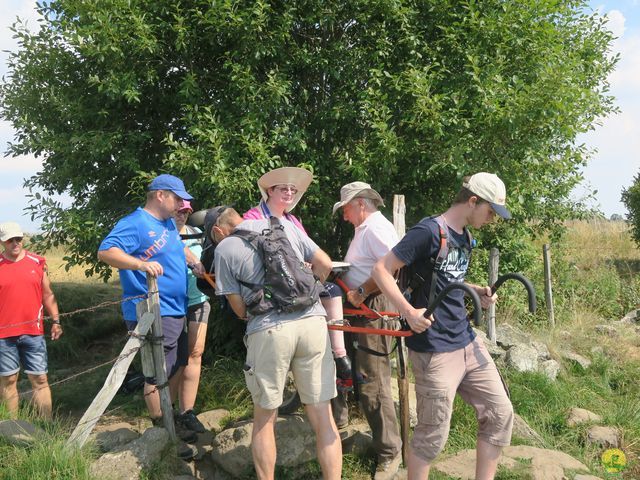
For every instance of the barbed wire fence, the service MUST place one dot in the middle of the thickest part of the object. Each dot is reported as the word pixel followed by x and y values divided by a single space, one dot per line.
pixel 146 338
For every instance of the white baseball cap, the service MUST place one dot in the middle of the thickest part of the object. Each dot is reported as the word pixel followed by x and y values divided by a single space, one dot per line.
pixel 490 188
pixel 10 230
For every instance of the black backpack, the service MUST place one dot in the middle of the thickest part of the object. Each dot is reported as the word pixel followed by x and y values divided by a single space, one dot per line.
pixel 289 284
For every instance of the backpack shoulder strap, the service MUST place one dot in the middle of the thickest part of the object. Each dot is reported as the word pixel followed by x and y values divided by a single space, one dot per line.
pixel 441 256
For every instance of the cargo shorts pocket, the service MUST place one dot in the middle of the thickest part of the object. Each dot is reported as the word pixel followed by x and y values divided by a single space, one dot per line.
pixel 433 406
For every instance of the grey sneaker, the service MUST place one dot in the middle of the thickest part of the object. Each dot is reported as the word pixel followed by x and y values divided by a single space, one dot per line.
pixel 189 421
pixel 387 469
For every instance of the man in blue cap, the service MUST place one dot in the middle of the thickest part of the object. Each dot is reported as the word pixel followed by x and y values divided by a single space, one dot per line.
pixel 147 241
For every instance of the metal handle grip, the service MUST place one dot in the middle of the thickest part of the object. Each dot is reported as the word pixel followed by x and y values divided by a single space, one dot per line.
pixel 477 308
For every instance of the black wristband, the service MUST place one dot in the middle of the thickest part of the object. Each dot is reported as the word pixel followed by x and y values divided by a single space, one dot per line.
pixel 55 322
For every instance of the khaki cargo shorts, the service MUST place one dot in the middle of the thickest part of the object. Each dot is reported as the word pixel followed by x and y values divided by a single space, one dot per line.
pixel 301 346
pixel 470 372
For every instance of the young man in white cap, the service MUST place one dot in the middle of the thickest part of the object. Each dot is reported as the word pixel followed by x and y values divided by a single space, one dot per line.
pixel 24 290
pixel 147 241
pixel 445 353
pixel 374 236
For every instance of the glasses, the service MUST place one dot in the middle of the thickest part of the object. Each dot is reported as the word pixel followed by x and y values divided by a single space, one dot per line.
pixel 286 188
pixel 15 239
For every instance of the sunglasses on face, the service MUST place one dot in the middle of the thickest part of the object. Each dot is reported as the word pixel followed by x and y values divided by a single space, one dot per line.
pixel 286 188
pixel 15 239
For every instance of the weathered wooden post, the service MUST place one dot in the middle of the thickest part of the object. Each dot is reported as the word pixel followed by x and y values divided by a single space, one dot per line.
pixel 158 357
pixel 402 355
pixel 548 294
pixel 494 260
pixel 111 385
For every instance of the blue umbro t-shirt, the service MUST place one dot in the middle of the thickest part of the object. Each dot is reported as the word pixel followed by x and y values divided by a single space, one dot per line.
pixel 143 236
pixel 451 329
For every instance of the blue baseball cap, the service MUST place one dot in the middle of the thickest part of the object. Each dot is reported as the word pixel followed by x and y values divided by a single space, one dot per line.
pixel 171 183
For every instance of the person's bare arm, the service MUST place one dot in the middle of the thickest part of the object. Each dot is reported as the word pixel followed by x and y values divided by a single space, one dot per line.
pixel 194 263
pixel 51 306
pixel 487 298
pixel 383 274
pixel 321 264
pixel 117 258
pixel 237 305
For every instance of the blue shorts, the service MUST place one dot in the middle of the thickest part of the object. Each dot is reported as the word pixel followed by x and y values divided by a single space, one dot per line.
pixel 30 351
pixel 176 345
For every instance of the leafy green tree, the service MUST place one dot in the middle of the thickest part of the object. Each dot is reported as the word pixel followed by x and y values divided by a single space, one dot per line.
pixel 407 95
pixel 631 200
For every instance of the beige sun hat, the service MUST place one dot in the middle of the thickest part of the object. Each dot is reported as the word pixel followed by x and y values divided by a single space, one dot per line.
pixel 299 177
pixel 357 190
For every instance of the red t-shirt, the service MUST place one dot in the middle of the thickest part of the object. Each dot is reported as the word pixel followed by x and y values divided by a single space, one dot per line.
pixel 21 295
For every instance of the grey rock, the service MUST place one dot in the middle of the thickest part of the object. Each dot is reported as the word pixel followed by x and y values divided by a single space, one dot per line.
pixel 578 416
pixel 632 317
pixel 544 464
pixel 579 359
pixel 543 351
pixel 357 439
pixel 108 437
pixel 127 461
pixel 521 429
pixel 295 443
pixel 212 419
pixel 607 330
pixel 522 358
pixel 19 432
pixel 550 368
pixel 508 336
pixel 603 436
pixel 496 352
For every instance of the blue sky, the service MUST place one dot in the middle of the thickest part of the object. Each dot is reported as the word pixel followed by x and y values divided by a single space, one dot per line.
pixel 617 140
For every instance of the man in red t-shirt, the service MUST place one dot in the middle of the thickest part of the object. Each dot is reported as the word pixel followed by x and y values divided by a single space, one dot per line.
pixel 24 291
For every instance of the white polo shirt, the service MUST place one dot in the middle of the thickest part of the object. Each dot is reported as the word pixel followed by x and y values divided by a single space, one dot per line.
pixel 372 240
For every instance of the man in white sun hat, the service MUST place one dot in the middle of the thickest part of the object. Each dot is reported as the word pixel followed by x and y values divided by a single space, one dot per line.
pixel 374 236
pixel 446 356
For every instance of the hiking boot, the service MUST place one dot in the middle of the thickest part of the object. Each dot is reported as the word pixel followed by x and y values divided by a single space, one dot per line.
pixel 189 421
pixel 181 432
pixel 186 452
pixel 343 368
pixel 387 469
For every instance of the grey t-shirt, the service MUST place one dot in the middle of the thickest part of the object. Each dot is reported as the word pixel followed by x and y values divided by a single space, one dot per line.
pixel 236 260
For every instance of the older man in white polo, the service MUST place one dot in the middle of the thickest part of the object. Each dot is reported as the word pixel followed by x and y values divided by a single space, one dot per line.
pixel 374 237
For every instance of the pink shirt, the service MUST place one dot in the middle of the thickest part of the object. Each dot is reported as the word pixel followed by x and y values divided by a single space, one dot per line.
pixel 262 211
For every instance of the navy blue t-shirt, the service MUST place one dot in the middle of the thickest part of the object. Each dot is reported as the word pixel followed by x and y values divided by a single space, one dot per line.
pixel 451 329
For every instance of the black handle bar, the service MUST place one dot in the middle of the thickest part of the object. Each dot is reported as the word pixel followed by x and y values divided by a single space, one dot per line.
pixel 523 280
pixel 457 286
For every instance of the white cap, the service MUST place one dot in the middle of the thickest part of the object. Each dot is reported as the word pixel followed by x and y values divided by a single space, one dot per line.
pixel 490 188
pixel 10 230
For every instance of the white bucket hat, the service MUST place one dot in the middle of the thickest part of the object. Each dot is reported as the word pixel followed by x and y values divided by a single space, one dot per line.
pixel 10 230
pixel 490 188
pixel 357 190
pixel 299 177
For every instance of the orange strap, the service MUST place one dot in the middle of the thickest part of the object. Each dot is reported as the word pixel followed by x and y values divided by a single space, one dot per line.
pixel 363 310
pixel 372 331
pixel 210 279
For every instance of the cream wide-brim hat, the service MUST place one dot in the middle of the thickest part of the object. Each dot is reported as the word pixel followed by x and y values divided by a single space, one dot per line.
pixel 299 177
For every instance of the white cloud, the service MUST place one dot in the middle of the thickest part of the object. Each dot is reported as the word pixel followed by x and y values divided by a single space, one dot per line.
pixel 26 11
pixel 616 22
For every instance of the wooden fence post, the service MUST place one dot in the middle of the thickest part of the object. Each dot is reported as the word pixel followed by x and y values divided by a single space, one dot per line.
pixel 158 357
pixel 494 260
pixel 548 294
pixel 111 385
pixel 402 355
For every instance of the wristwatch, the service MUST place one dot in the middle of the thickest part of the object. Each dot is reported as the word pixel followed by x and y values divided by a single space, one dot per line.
pixel 361 292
